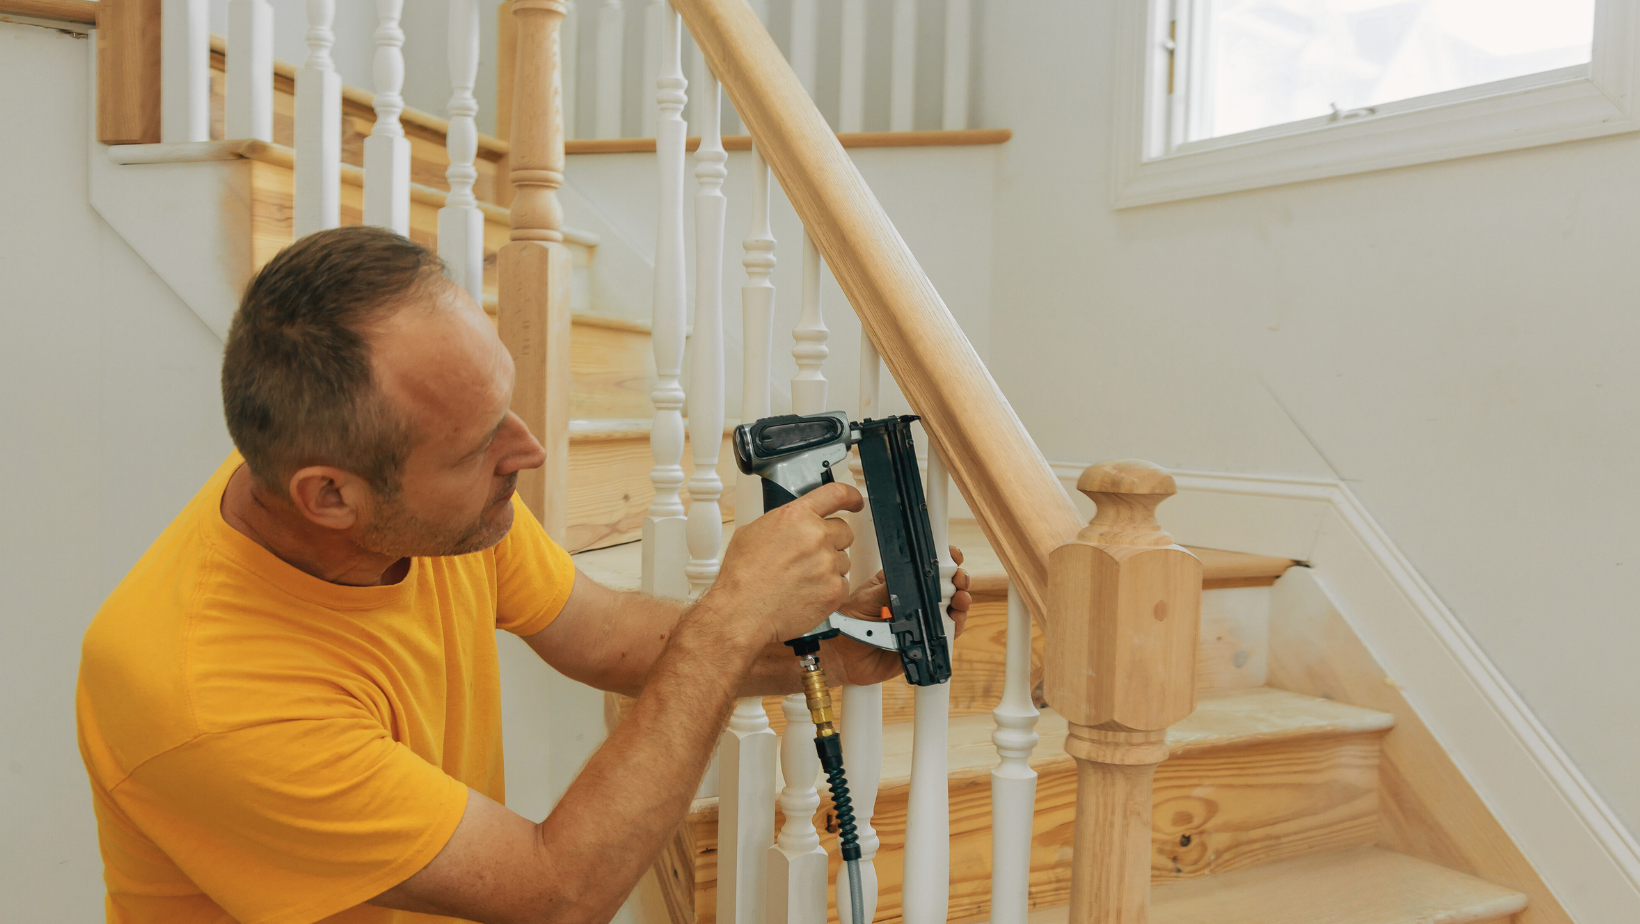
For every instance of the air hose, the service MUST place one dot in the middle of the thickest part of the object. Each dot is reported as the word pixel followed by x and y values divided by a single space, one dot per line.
pixel 830 748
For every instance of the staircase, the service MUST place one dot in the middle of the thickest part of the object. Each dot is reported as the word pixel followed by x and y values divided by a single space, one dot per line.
pixel 1268 808
pixel 1266 811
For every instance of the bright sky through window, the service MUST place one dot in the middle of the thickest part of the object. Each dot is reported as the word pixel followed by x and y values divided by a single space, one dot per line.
pixel 1277 61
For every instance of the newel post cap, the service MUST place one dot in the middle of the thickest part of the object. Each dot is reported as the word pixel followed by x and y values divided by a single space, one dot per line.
pixel 1125 493
pixel 1126 476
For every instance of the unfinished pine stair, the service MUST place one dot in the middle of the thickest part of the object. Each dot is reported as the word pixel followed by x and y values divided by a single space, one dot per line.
pixel 1267 809
pixel 612 368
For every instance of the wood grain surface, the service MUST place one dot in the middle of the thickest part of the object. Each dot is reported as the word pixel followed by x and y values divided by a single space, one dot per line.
pixel 1258 777
pixel 128 71
pixel 1429 810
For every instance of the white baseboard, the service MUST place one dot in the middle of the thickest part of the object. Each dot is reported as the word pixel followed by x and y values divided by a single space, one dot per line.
pixel 1582 850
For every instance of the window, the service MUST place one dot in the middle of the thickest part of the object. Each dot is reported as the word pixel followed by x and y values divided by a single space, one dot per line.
pixel 1220 95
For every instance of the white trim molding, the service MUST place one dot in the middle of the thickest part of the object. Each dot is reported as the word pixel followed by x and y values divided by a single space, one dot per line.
pixel 1548 108
pixel 1565 829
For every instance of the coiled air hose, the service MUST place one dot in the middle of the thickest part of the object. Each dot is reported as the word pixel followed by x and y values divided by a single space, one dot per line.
pixel 830 748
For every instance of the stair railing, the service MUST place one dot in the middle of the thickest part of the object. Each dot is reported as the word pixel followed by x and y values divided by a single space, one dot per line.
pixel 610 71
pixel 1016 495
pixel 1122 602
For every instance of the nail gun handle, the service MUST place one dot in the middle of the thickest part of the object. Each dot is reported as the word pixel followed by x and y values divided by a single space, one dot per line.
pixel 776 496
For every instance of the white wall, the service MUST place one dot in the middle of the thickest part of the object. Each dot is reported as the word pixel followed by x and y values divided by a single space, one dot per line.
pixel 1457 341
pixel 111 422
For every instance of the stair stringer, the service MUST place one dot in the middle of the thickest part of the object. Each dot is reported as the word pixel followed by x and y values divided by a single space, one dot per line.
pixel 190 222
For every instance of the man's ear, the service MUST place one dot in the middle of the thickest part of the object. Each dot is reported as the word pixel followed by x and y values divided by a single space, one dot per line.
pixel 329 497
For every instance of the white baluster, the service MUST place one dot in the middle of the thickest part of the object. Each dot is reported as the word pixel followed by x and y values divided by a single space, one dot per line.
pixel 611 48
pixel 698 73
pixel 957 21
pixel 851 103
pixel 809 385
pixel 247 107
pixel 757 327
pixel 805 42
pixel 903 68
pixel 706 352
pixel 1013 782
pixel 797 862
pixel 862 729
pixel 927 877
pixel 460 223
pixel 665 540
pixel 746 751
pixel 654 34
pixel 387 151
pixel 185 71
pixel 318 179
pixel 569 56
pixel 746 754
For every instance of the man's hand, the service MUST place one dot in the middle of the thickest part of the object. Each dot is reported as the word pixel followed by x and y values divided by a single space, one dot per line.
pixel 857 664
pixel 788 569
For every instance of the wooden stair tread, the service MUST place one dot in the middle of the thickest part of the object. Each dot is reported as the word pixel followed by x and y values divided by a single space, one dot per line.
pixel 1220 568
pixel 620 428
pixel 618 567
pixel 1223 719
pixel 1366 885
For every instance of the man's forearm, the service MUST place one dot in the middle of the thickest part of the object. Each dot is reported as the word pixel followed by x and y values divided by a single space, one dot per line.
pixel 638 630
pixel 631 796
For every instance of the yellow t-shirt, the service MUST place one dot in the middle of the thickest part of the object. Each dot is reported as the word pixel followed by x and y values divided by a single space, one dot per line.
pixel 268 747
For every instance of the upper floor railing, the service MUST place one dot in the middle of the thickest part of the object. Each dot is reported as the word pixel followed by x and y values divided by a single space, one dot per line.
pixel 871 65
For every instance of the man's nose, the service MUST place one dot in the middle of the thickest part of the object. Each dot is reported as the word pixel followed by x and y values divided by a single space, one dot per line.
pixel 527 453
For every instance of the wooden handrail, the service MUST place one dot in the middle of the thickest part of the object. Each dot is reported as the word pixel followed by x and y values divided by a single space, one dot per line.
pixel 81 11
pixel 1007 482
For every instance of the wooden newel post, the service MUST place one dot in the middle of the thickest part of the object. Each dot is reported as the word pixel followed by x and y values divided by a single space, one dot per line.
pixel 1123 618
pixel 533 268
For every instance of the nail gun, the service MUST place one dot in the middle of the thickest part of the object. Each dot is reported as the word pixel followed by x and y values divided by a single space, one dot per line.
pixel 796 454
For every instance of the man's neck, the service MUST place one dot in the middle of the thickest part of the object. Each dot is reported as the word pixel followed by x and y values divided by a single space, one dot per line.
pixel 274 524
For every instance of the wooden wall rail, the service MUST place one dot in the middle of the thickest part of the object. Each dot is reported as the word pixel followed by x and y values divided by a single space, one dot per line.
pixel 82 11
pixel 960 138
pixel 1007 482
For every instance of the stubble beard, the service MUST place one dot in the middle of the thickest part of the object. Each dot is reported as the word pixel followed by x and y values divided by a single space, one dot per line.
pixel 397 532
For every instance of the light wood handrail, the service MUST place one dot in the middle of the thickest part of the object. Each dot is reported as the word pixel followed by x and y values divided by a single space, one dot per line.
pixel 81 11
pixel 1007 482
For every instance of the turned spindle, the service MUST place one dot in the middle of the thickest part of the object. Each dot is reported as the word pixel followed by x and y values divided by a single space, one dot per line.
pixel 1124 615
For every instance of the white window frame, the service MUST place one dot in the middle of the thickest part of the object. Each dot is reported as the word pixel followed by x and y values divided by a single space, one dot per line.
pixel 1585 101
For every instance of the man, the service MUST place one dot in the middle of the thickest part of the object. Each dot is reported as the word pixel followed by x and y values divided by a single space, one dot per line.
pixel 289 709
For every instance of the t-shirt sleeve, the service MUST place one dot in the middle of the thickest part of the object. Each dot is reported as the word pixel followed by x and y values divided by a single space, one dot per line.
pixel 294 821
pixel 534 575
